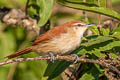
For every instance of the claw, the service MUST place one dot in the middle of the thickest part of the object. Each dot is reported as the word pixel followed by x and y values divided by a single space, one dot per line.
pixel 76 59
pixel 53 58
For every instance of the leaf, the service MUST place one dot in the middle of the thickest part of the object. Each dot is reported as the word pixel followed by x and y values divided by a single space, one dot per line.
pixel 99 47
pixel 92 74
pixel 102 3
pixel 81 2
pixel 90 1
pixel 55 69
pixel 105 32
pixel 116 32
pixel 97 53
pixel 94 30
pixel 115 1
pixel 117 29
pixel 58 78
pixel 45 10
pixel 100 10
pixel 110 46
pixel 38 68
pixel 80 51
pixel 116 35
pixel 113 55
pixel 98 40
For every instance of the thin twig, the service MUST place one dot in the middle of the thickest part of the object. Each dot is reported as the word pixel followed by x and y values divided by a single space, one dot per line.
pixel 26 7
pixel 101 62
pixel 84 14
pixel 99 15
pixel 110 75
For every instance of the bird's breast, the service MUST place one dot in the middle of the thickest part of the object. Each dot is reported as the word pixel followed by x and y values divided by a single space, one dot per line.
pixel 67 42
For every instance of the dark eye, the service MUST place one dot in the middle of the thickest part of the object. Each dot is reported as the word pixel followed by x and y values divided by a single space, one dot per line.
pixel 78 24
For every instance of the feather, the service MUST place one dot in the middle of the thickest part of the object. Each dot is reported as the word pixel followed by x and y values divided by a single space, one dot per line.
pixel 56 31
pixel 21 52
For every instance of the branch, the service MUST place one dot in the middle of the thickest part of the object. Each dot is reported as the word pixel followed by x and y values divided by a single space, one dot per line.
pixel 100 61
pixel 110 75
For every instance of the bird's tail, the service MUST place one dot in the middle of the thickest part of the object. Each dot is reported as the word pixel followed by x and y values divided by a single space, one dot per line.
pixel 21 52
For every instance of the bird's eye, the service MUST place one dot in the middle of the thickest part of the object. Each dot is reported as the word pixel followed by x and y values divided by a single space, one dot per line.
pixel 78 24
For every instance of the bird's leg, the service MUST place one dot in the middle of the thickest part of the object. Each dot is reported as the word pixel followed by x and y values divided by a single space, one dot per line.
pixel 53 58
pixel 76 58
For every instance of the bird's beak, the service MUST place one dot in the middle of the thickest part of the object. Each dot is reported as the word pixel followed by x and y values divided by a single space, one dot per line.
pixel 88 25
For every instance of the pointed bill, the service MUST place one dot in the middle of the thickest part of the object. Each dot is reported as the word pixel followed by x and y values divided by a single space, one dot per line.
pixel 88 25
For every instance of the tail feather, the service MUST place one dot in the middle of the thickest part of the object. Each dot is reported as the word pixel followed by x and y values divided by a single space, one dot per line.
pixel 21 52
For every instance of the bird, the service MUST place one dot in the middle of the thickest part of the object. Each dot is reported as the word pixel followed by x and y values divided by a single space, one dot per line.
pixel 60 40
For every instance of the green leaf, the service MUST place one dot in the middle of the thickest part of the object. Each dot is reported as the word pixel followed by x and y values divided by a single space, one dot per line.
pixel 116 35
pixel 115 1
pixel 102 3
pixel 97 52
pixel 98 40
pixel 92 74
pixel 100 10
pixel 94 30
pixel 58 78
pixel 45 10
pixel 117 29
pixel 116 32
pixel 99 47
pixel 91 1
pixel 113 55
pixel 81 2
pixel 55 69
pixel 110 46
pixel 38 68
pixel 105 32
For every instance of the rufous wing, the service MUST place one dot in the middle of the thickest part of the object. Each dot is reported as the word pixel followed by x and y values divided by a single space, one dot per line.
pixel 56 31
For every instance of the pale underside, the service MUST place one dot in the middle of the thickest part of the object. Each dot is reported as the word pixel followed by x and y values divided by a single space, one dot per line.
pixel 62 44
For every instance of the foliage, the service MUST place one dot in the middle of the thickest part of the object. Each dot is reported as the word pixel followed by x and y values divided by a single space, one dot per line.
pixel 43 9
pixel 102 40
pixel 89 7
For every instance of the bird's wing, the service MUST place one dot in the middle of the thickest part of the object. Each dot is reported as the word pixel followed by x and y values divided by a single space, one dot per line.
pixel 56 31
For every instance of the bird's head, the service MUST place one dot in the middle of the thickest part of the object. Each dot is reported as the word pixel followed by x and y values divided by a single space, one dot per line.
pixel 78 26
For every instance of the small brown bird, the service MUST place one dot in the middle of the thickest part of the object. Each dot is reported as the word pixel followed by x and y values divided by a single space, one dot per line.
pixel 60 40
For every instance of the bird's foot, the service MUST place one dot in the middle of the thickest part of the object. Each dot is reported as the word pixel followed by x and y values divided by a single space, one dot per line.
pixel 76 58
pixel 53 58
